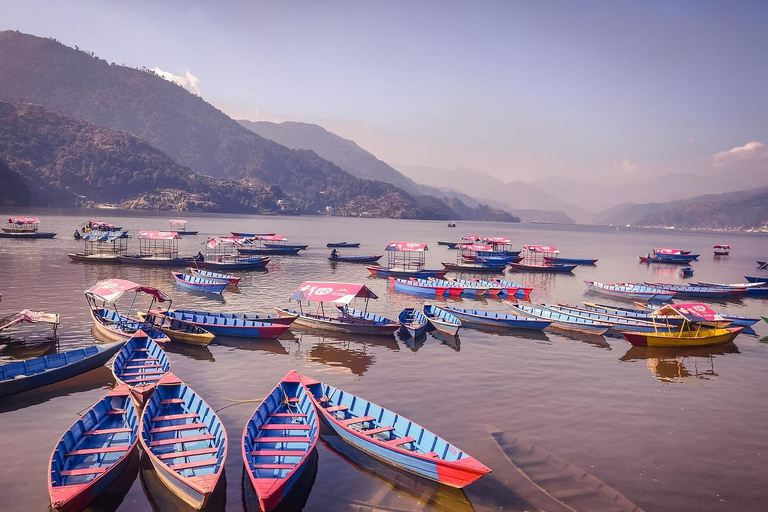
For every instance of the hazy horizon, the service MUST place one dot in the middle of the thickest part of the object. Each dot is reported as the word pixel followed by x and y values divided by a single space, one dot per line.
pixel 520 91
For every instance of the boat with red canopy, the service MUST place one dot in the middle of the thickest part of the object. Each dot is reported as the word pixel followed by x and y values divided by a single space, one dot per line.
pixel 270 244
pixel 111 323
pixel 158 248
pixel 221 253
pixel 342 319
pixel 669 256
pixel 180 226
pixel 722 250
pixel 535 260
pixel 24 227
pixel 478 258
pixel 405 259
pixel 696 324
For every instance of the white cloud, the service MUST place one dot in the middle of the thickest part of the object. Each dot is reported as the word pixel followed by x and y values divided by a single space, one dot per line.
pixel 189 81
pixel 751 152
pixel 625 166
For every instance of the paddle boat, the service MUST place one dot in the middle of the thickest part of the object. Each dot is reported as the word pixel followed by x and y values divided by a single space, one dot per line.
pixel 207 274
pixel 722 250
pixel 417 286
pixel 690 333
pixel 235 325
pixel 31 317
pixel 180 226
pixel 413 322
pixel 441 319
pixel 515 290
pixel 270 245
pixel 93 452
pixel 405 259
pixel 563 321
pixel 221 254
pixel 391 438
pixel 630 292
pixel 184 440
pixel 355 259
pixel 340 245
pixel 140 365
pixel 343 319
pixel 178 330
pixel 18 376
pixel 159 249
pixel 24 227
pixel 199 284
pixel 278 440
pixel 102 247
pixel 479 318
pixel 113 325
pixel 532 262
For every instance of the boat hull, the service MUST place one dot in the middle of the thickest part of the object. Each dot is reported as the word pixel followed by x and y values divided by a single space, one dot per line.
pixel 204 286
pixel 666 261
pixel 155 262
pixel 114 334
pixel 660 296
pixel 342 245
pixel 239 264
pixel 93 259
pixel 552 268
pixel 571 261
pixel 272 251
pixel 235 327
pixel 27 236
pixel 684 339
pixel 456 267
pixel 379 271
pixel 357 259
pixel 399 285
pixel 475 318
pixel 333 325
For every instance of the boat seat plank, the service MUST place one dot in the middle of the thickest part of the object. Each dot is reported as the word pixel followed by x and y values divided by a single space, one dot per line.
pixel 170 417
pixel 282 440
pixel 107 431
pixel 337 408
pixel 83 472
pixel 139 374
pixel 195 464
pixel 374 431
pixel 187 453
pixel 176 428
pixel 274 466
pixel 142 360
pixel 142 366
pixel 182 440
pixel 141 350
pixel 434 455
pixel 136 381
pixel 359 419
pixel 284 426
pixel 170 401
pixel 93 451
pixel 278 453
pixel 116 412
pixel 286 415
pixel 399 441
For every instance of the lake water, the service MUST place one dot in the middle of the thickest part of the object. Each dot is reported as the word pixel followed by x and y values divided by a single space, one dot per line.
pixel 673 431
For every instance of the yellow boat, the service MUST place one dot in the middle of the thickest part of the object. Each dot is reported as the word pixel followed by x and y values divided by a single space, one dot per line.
pixel 701 326
pixel 177 330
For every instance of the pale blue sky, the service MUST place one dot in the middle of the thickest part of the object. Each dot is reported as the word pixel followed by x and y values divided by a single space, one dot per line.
pixel 517 89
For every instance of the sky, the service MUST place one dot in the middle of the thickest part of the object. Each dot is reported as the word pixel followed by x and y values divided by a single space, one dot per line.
pixel 520 90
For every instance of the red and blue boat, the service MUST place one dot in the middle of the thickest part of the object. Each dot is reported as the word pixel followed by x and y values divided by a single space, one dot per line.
pixel 631 291
pixel 276 245
pixel 393 439
pixel 199 284
pixel 478 258
pixel 533 263
pixel 207 274
pixel 480 318
pixel 24 227
pixel 140 365
pixel 413 322
pixel 221 253
pixel 93 452
pixel 185 441
pixel 415 286
pixel 236 325
pixel 515 290
pixel 278 440
pixel 570 261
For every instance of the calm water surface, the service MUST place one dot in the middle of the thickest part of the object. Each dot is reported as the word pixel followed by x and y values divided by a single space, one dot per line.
pixel 674 431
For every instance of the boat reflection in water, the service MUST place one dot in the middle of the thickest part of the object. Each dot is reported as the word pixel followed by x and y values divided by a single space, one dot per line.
pixel 295 500
pixel 27 350
pixel 356 355
pixel 271 345
pixel 196 352
pixel 679 364
pixel 111 499
pixel 162 499
pixel 432 494
pixel 446 339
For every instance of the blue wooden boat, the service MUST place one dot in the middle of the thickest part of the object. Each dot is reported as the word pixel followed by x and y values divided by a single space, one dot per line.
pixel 685 272
pixel 393 439
pixel 93 452
pixel 762 264
pixel 515 290
pixel 636 314
pixel 682 290
pixel 571 261
pixel 480 318
pixel 562 320
pixel 199 284
pixel 494 289
pixel 155 261
pixel 184 440
pixel 630 291
pixel 619 323
pixel 19 376
pixel 230 263
pixel 140 365
pixel 425 287
pixel 342 244
pixel 207 274
pixel 274 251
pixel 475 287
pixel 748 289
pixel 250 235
pixel 299 247
pixel 754 279
pixel 357 259
pixel 487 266
pixel 413 321
pixel 685 260
pixel 348 321
pixel 222 324
pixel 379 271
pixel 553 268
pixel 441 319
pixel 278 440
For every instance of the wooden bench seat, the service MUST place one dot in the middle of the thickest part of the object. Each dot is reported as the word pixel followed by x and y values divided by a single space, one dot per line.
pixel 176 428
pixel 195 464
pixel 116 412
pixel 278 453
pixel 107 431
pixel 286 439
pixel 274 466
pixel 186 453
pixel 82 472
pixel 284 426
pixel 94 451
pixel 399 441
pixel 374 431
pixel 170 401
pixel 359 419
pixel 336 408
pixel 286 415
pixel 170 417
pixel 182 440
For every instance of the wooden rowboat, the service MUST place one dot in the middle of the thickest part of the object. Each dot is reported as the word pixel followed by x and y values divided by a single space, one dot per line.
pixel 441 319
pixel 425 287
pixel 199 284
pixel 392 438
pixel 563 321
pixel 554 268
pixel 357 259
pixel 184 440
pixel 278 440
pixel 207 274
pixel 342 244
pixel 242 326
pixel 480 318
pixel 93 452
pixel 348 321
pixel 140 365
pixel 178 330
pixel 686 338
pixel 413 321
pixel 19 376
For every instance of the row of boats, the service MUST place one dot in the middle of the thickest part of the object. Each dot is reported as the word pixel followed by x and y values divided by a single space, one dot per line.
pixel 663 292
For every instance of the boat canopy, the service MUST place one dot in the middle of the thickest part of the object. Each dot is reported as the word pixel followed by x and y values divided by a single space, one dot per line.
pixel 178 221
pixel 407 247
pixel 339 293
pixel 470 238
pixel 476 247
pixel 215 241
pixel 691 311
pixel 158 235
pixel 32 317
pixel 541 248
pixel 668 251
pixel 23 220
pixel 502 240
pixel 271 238
pixel 722 247
pixel 112 289
pixel 100 224
pixel 103 236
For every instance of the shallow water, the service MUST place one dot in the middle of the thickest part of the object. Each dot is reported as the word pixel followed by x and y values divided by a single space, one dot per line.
pixel 673 431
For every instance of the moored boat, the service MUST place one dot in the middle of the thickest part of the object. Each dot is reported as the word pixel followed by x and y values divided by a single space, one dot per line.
pixel 278 440
pixel 515 290
pixel 185 441
pixel 180 227
pixel 216 276
pixel 199 284
pixel 685 272
pixel 140 365
pixel 722 250
pixel 563 321
pixel 426 287
pixel 178 330
pixel 158 249
pixel 93 452
pixel 24 227
pixel 221 254
pixel 331 245
pixel 473 287
pixel 356 259
pixel 392 438
pixel 534 260
pixel 730 320
pixel 236 325
pixel 570 261
pixel 619 323
pixel 630 292
pixel 478 317
pixel 691 332
pixel 413 321
pixel 682 290
pixel 102 247
pixel 405 259
pixel 475 267
pixel 18 376
pixel 441 319
pixel 402 272
pixel 496 289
